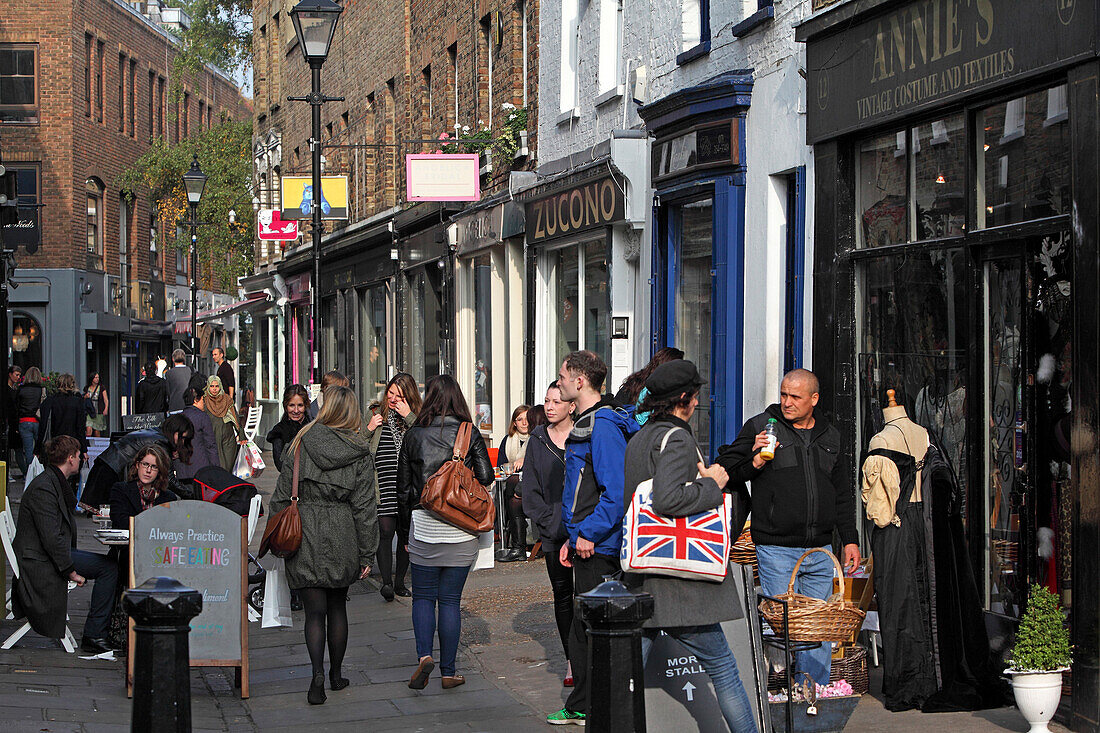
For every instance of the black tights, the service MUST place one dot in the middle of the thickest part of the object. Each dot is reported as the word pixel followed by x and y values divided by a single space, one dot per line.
pixel 561 583
pixel 322 604
pixel 387 527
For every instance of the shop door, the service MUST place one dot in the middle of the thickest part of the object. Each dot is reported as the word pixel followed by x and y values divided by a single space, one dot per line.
pixel 1027 502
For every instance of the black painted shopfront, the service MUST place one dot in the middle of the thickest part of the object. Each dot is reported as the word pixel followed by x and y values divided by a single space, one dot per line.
pixel 956 261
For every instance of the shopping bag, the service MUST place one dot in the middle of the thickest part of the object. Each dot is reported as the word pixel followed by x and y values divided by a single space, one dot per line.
pixel 241 469
pixel 276 596
pixel 32 471
pixel 255 458
pixel 485 552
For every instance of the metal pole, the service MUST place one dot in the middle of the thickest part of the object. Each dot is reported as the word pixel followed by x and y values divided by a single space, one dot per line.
pixel 194 286
pixel 316 100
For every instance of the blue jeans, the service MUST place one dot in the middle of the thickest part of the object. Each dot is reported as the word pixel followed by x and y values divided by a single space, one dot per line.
pixel 28 431
pixel 815 579
pixel 434 586
pixel 104 571
pixel 708 644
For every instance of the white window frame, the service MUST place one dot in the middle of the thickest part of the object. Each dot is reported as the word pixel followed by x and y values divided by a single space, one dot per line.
pixel 610 52
pixel 570 29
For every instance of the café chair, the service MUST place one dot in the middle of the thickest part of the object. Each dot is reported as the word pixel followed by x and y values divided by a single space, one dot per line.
pixel 252 422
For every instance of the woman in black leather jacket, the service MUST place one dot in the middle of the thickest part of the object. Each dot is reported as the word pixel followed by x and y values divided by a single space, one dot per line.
pixel 441 555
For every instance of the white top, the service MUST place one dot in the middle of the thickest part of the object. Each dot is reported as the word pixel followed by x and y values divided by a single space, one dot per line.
pixel 426 528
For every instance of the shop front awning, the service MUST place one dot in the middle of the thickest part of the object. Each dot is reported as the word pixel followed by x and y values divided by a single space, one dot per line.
pixel 252 302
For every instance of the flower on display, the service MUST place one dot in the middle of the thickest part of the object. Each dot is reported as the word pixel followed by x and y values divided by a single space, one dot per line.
pixel 458 126
pixel 465 128
pixel 508 106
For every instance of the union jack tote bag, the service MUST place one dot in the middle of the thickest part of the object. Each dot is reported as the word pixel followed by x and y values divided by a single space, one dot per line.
pixel 692 548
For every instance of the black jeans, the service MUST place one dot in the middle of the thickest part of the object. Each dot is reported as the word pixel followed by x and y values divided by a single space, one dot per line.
pixel 587 574
pixel 104 571
pixel 561 583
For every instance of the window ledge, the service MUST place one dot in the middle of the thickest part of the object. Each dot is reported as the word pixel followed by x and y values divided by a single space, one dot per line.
pixel 611 95
pixel 754 21
pixel 568 116
pixel 693 53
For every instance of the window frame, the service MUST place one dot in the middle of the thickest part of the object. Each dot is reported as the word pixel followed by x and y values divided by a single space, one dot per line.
pixel 702 48
pixel 95 254
pixel 25 108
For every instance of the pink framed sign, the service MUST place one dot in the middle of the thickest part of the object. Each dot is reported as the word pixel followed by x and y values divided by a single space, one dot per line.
pixel 442 177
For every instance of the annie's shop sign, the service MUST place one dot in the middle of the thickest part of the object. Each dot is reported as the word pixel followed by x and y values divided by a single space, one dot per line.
pixel 927 53
pixel 587 206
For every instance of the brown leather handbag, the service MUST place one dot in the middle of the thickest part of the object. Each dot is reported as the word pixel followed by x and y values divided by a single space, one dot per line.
pixel 454 495
pixel 283 533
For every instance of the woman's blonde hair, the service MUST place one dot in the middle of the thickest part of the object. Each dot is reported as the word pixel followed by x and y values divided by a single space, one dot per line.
pixel 339 412
pixel 66 383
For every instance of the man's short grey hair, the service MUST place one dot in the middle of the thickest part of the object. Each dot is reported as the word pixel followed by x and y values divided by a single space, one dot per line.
pixel 803 375
pixel 178 356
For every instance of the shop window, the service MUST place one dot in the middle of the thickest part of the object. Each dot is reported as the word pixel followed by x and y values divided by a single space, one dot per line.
pixel 94 195
pixel 18 82
pixel 939 178
pixel 579 301
pixel 263 346
pixel 694 295
pixel 882 213
pixel 26 341
pixel 427 327
pixel 481 274
pixel 1023 159
pixel 913 338
pixel 328 334
pixel 372 342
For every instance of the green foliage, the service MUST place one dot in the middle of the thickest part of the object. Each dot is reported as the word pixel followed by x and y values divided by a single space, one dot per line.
pixel 220 34
pixel 224 152
pixel 1042 643
pixel 466 140
pixel 49 382
pixel 514 124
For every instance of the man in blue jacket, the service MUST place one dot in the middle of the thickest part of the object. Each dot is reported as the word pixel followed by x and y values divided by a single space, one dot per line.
pixel 592 501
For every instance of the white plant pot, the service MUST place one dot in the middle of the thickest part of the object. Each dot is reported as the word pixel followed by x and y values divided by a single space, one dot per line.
pixel 1037 695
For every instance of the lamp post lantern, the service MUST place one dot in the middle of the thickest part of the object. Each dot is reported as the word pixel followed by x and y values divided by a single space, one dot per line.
pixel 194 182
pixel 314 25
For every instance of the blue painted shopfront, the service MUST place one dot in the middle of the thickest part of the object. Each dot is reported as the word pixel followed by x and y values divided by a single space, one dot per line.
pixel 698 275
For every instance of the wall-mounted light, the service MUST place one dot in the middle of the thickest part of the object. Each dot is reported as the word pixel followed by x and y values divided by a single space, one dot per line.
pixel 19 340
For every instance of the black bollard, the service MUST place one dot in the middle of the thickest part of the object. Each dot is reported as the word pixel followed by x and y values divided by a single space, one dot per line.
pixel 616 698
pixel 162 609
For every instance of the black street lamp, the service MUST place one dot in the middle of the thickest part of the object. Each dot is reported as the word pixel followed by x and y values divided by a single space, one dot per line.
pixel 194 181
pixel 315 24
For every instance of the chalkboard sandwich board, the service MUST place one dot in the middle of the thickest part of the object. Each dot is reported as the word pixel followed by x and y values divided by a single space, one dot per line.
pixel 204 546
pixel 142 421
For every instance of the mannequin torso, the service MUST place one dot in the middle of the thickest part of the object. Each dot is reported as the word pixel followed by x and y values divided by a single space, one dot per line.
pixel 904 436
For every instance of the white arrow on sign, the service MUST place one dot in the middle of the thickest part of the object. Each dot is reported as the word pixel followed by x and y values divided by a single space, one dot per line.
pixel 690 690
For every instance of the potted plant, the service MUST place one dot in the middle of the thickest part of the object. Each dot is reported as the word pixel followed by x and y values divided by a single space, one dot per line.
pixel 1040 656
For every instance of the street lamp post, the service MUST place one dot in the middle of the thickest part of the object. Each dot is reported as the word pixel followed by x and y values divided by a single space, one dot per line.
pixel 315 24
pixel 194 181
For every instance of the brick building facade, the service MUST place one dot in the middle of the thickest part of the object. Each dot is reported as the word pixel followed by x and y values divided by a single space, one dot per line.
pixel 409 72
pixel 91 85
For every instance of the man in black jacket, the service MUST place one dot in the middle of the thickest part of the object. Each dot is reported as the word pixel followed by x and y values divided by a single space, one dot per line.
pixel 798 498
pixel 48 559
pixel 151 394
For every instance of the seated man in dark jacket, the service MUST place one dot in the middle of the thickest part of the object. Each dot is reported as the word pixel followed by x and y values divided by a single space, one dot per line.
pixel 45 541
pixel 798 498
pixel 151 394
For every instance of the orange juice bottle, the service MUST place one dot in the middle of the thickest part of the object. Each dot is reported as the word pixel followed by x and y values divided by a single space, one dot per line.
pixel 770 430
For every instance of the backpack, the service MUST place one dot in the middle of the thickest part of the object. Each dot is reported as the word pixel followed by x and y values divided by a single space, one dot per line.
pixel 454 495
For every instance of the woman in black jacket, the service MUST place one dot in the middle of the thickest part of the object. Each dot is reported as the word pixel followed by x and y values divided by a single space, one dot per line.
pixel 295 402
pixel 541 488
pixel 148 486
pixel 28 399
pixel 64 413
pixel 441 554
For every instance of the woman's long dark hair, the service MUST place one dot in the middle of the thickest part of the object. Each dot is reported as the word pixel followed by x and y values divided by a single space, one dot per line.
pixel 632 385
pixel 536 416
pixel 180 423
pixel 442 398
pixel 91 379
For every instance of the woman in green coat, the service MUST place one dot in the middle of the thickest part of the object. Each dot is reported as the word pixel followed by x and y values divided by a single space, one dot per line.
pixel 228 435
pixel 337 505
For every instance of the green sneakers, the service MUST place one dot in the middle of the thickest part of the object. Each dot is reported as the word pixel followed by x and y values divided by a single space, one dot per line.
pixel 565 717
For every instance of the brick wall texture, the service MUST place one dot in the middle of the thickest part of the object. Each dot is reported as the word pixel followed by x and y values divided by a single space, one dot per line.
pixel 400 66
pixel 80 138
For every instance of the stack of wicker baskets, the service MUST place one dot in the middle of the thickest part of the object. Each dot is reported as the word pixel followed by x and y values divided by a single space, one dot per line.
pixel 743 552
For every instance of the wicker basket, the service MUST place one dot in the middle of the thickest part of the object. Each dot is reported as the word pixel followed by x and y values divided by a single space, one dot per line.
pixel 852 667
pixel 812 619
pixel 743 552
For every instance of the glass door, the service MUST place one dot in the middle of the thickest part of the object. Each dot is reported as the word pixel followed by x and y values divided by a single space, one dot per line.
pixel 694 295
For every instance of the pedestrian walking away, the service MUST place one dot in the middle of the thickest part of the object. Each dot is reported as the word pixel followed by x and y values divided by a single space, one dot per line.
pixel 510 463
pixel 28 401
pixel 633 389
pixel 440 554
pixel 592 502
pixel 328 379
pixel 45 546
pixel 691 611
pixel 798 498
pixel 65 413
pixel 204 444
pixel 541 489
pixel 151 393
pixel 178 378
pixel 336 503
pixel 386 430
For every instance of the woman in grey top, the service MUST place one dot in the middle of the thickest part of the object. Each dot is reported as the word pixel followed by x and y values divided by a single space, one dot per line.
pixel 441 555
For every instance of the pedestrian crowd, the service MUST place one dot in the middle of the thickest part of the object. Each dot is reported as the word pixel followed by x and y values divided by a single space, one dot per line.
pixel 571 465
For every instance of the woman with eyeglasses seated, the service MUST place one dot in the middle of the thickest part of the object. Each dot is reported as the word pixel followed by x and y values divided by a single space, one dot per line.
pixel 147 487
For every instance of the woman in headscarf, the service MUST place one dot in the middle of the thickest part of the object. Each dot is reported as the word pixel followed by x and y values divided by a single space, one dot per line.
pixel 227 428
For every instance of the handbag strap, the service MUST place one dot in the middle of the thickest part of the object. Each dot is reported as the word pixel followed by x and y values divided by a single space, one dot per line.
pixel 668 434
pixel 294 483
pixel 462 441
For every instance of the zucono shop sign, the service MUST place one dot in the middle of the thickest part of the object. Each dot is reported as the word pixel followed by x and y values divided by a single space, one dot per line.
pixel 587 206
